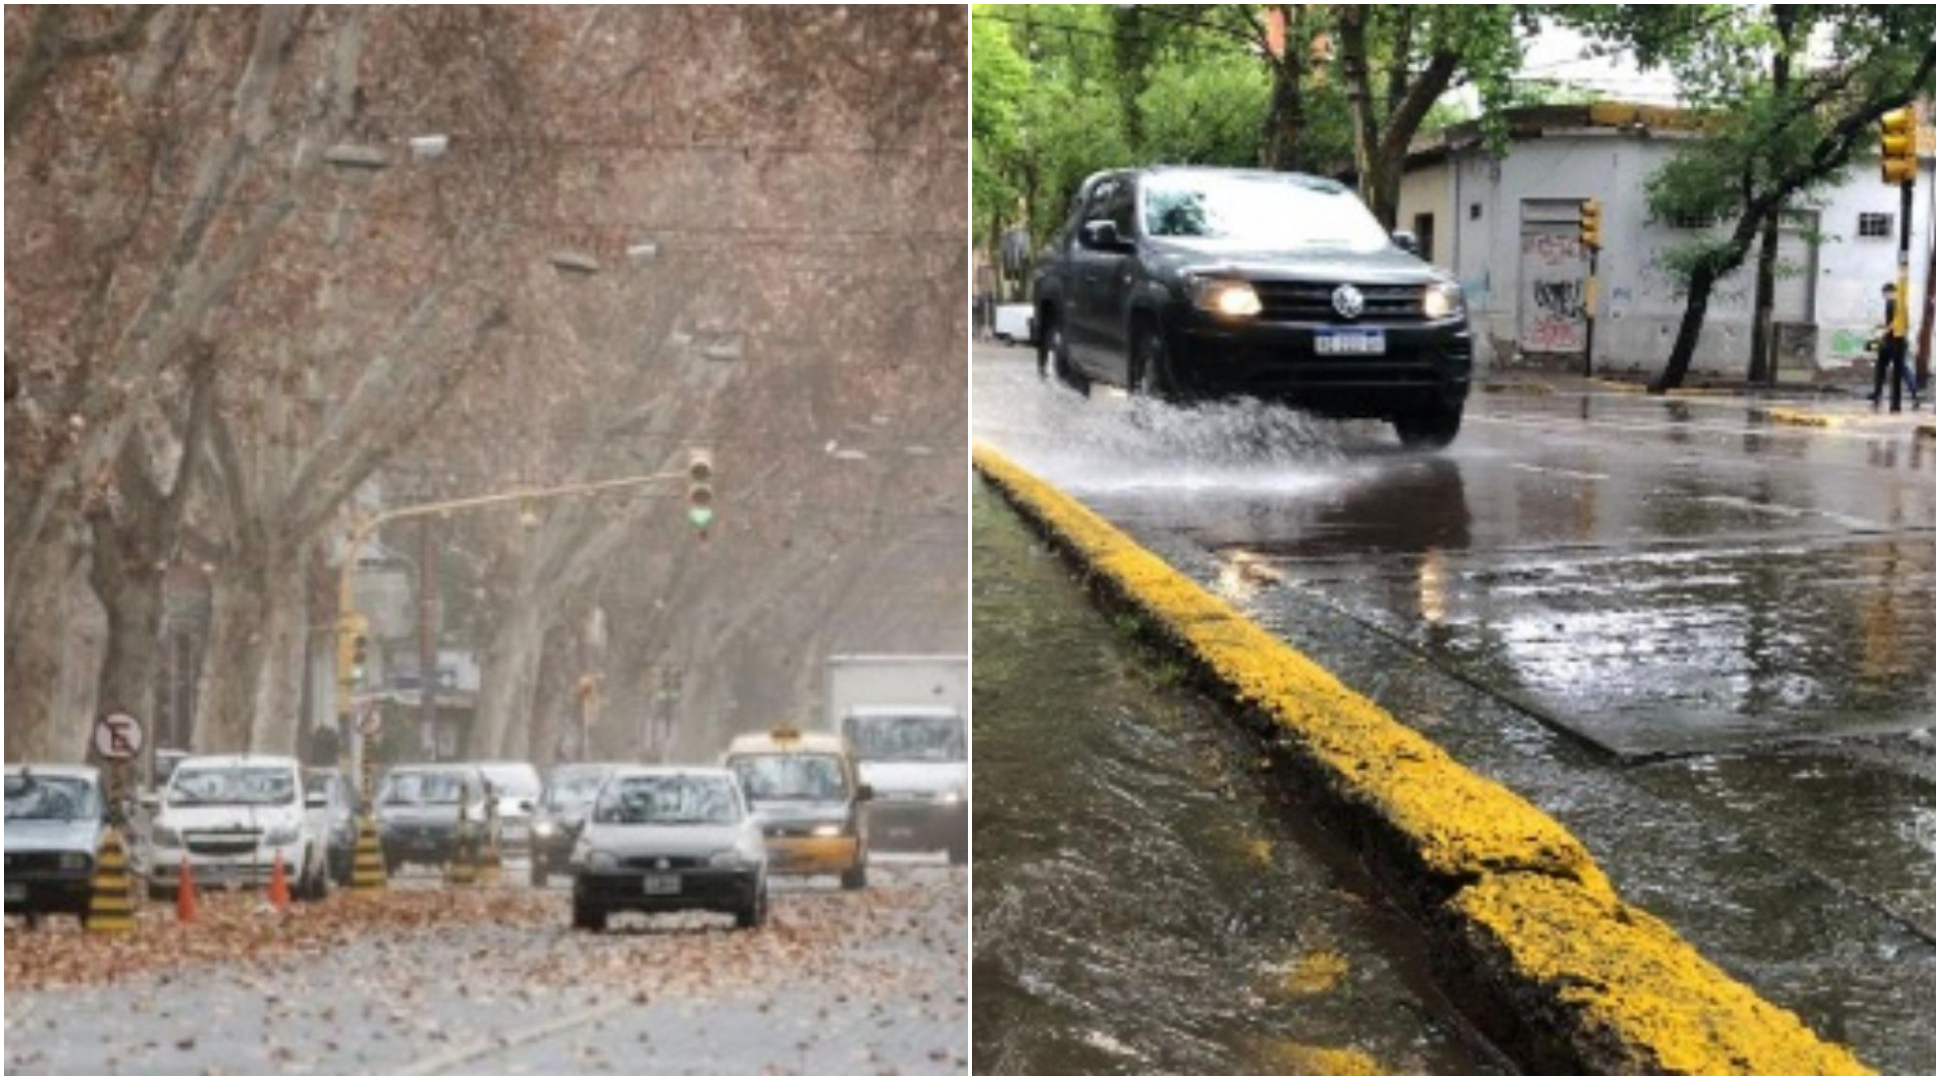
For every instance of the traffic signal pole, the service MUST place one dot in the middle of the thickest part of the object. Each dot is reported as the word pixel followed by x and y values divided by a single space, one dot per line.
pixel 351 625
pixel 1589 228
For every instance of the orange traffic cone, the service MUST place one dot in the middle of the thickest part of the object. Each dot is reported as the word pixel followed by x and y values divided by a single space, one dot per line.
pixel 185 894
pixel 279 885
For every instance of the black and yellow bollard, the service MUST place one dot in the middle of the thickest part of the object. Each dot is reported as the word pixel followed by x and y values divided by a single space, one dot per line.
pixel 463 867
pixel 491 864
pixel 111 895
pixel 367 865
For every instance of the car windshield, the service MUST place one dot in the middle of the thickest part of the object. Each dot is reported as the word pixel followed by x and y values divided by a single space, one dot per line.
pixel 511 781
pixel 791 776
pixel 906 738
pixel 667 800
pixel 576 788
pixel 423 789
pixel 1259 212
pixel 231 785
pixel 50 798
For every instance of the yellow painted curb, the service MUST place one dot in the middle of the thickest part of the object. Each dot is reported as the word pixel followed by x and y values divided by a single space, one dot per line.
pixel 1779 414
pixel 1482 858
pixel 1534 389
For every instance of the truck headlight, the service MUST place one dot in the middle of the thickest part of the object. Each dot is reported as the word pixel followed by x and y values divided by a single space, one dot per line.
pixel 163 836
pixel 949 797
pixel 601 860
pixel 826 830
pixel 279 835
pixel 1442 299
pixel 74 860
pixel 1224 296
pixel 543 829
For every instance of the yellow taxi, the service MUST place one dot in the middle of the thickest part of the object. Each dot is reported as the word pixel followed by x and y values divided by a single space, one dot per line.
pixel 803 786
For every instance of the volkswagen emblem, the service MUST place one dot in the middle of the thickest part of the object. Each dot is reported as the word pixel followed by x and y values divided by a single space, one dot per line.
pixel 1349 302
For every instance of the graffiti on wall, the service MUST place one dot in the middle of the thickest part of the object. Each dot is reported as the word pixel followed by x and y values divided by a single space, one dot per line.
pixel 1553 271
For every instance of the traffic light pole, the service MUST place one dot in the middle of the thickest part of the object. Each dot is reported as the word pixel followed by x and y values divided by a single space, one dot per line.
pixel 1902 294
pixel 1589 318
pixel 348 620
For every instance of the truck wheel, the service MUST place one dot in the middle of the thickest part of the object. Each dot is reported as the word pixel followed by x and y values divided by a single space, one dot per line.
pixel 855 877
pixel 1430 427
pixel 959 851
pixel 1059 352
pixel 588 917
pixel 1152 374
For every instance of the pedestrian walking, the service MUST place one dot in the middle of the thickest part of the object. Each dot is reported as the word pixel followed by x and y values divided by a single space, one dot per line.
pixel 1890 356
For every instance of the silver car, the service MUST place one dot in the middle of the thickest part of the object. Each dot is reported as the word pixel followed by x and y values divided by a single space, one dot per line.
pixel 670 839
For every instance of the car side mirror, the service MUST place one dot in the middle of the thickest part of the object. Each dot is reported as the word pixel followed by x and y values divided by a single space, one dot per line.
pixel 1102 234
pixel 525 805
pixel 863 792
pixel 1407 242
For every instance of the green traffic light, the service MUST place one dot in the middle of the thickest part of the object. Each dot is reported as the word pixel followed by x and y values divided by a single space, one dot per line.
pixel 700 516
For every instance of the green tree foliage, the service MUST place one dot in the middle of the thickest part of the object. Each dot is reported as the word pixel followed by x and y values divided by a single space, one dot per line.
pixel 1769 141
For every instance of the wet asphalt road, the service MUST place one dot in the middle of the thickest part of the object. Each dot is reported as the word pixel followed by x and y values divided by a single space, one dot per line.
pixel 1146 900
pixel 837 983
pixel 1704 643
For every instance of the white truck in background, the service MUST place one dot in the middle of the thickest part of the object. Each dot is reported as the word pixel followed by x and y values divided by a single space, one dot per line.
pixel 907 719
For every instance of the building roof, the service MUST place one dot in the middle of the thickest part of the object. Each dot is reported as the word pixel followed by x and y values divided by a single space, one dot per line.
pixel 1602 117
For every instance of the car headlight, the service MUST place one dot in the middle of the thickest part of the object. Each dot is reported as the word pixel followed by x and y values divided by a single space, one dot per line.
pixel 601 860
pixel 1224 296
pixel 277 836
pixel 731 859
pixel 163 836
pixel 543 828
pixel 1442 299
pixel 74 860
pixel 949 796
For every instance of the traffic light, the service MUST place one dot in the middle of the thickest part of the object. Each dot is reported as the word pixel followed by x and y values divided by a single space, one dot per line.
pixel 1898 158
pixel 353 638
pixel 700 490
pixel 1589 223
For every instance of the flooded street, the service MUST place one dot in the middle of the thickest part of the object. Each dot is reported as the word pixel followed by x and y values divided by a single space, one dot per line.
pixel 1703 642
pixel 1145 899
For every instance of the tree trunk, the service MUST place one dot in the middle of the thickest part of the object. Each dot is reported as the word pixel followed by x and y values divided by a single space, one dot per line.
pixel 509 682
pixel 1280 144
pixel 249 688
pixel 1756 372
pixel 128 583
pixel 35 727
pixel 1697 301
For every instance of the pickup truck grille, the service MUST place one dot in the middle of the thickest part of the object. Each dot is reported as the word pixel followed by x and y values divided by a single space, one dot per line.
pixel 1311 301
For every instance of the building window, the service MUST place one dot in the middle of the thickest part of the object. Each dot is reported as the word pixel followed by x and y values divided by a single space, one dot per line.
pixel 1878 226
pixel 1425 236
pixel 1475 211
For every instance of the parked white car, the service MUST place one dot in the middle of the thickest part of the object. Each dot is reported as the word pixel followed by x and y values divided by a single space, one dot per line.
pixel 230 818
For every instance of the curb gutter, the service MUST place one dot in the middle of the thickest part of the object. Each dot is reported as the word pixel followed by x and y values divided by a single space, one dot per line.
pixel 1551 963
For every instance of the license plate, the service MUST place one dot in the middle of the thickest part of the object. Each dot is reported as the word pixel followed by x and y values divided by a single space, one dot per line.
pixel 660 884
pixel 1351 342
pixel 16 891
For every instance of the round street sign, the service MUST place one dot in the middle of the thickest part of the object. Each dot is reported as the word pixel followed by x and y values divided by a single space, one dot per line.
pixel 371 724
pixel 117 737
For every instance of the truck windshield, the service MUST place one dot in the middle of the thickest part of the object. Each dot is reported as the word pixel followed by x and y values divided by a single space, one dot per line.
pixel 906 738
pixel 423 788
pixel 49 798
pixel 232 786
pixel 791 776
pixel 667 800
pixel 1259 212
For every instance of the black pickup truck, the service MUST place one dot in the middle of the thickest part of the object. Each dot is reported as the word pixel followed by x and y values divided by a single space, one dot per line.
pixel 1194 283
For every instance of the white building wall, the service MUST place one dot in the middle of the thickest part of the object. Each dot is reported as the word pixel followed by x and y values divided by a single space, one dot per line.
pixel 1638 305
